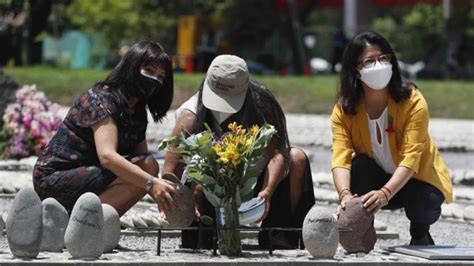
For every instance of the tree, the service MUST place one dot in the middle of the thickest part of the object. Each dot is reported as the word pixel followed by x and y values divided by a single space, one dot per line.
pixel 419 33
pixel 124 20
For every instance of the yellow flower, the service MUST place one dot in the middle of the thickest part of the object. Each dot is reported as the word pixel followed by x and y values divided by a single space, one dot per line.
pixel 233 127
pixel 230 154
pixel 254 129
pixel 248 142
pixel 229 138
pixel 217 147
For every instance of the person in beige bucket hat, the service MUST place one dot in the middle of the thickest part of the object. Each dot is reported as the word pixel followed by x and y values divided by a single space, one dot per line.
pixel 226 84
pixel 228 95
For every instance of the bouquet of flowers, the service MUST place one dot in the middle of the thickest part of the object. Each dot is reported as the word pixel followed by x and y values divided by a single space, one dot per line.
pixel 226 167
pixel 29 123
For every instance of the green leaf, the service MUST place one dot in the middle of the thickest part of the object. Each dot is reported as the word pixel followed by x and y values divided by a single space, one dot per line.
pixel 207 179
pixel 248 186
pixel 196 176
pixel 212 198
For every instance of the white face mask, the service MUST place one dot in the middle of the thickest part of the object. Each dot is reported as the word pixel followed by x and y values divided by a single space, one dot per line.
pixel 376 77
pixel 219 116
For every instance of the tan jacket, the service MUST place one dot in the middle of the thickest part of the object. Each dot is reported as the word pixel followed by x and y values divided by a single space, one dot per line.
pixel 410 142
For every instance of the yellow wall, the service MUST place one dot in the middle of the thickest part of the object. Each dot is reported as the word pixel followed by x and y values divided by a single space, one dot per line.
pixel 187 26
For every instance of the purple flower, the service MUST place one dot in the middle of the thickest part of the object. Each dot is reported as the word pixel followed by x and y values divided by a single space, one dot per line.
pixel 31 121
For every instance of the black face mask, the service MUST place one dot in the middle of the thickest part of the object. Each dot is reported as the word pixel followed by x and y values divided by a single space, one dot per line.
pixel 148 87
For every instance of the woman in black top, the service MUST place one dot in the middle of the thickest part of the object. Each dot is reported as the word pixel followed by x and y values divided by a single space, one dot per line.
pixel 101 147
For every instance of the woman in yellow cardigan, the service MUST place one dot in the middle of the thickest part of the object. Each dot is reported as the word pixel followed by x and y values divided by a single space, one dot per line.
pixel 382 151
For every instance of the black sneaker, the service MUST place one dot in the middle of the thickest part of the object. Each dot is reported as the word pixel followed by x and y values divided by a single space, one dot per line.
pixel 426 240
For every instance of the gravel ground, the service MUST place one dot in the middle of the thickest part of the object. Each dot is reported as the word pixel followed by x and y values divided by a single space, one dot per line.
pixel 444 232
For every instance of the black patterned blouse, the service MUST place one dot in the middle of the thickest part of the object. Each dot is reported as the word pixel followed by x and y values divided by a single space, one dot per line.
pixel 73 145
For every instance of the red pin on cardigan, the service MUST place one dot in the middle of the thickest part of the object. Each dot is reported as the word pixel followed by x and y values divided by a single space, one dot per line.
pixel 390 128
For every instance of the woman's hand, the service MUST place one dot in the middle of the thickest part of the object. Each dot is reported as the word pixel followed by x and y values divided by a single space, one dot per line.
pixel 162 192
pixel 374 200
pixel 265 195
pixel 342 203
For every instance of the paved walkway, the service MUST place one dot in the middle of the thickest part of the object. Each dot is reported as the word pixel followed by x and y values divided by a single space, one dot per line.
pixel 306 130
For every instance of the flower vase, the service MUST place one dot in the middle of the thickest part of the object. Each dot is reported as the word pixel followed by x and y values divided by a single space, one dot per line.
pixel 227 217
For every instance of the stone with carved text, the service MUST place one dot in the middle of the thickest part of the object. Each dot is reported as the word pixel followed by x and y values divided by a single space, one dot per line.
pixel 24 224
pixel 320 234
pixel 84 238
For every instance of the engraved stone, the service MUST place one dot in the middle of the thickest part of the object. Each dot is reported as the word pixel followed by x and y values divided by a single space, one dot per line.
pixel 320 234
pixel 84 238
pixel 25 224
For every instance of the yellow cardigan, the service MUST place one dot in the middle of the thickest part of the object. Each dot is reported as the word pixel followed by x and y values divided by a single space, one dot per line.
pixel 410 143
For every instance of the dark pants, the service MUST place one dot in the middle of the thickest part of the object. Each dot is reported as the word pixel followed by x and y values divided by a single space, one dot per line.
pixel 421 201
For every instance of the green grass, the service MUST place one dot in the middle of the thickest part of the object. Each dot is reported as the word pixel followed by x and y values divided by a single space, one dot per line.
pixel 297 94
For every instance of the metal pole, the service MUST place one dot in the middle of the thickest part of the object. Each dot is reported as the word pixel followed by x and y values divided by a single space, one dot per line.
pixel 350 18
pixel 447 18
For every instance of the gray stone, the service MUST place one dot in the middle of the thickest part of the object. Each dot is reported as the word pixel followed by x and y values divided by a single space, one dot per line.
pixel 469 213
pixel 148 198
pixel 9 188
pixel 2 224
pixel 463 193
pixel 380 226
pixel 468 178
pixel 446 211
pixel 25 224
pixel 111 227
pixel 18 186
pixel 322 179
pixel 84 238
pixel 320 233
pixel 5 216
pixel 28 162
pixel 126 222
pixel 55 221
pixel 152 219
pixel 458 210
pixel 138 222
pixel 457 176
pixel 362 237
pixel 183 215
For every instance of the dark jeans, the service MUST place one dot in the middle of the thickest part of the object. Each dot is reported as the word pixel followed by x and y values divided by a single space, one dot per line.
pixel 421 201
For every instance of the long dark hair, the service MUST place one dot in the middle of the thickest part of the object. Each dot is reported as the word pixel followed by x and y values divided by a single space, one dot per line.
pixel 124 80
pixel 350 89
pixel 260 106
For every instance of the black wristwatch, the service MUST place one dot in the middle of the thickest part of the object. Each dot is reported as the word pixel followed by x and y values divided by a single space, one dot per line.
pixel 149 183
